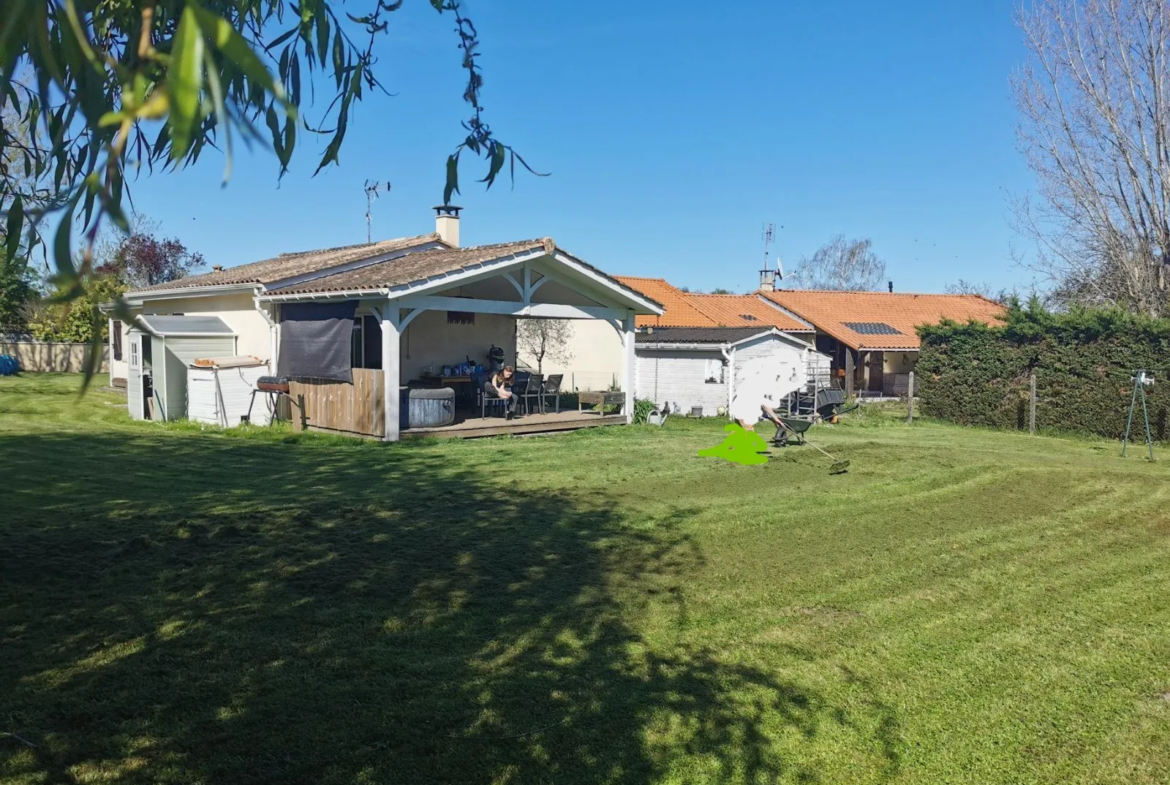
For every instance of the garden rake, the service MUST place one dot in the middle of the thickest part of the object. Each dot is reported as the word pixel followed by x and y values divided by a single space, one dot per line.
pixel 798 427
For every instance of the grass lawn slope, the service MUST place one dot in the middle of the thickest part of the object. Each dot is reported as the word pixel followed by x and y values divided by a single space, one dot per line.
pixel 180 605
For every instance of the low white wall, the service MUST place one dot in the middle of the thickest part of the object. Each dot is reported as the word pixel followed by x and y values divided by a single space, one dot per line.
pixel 38 356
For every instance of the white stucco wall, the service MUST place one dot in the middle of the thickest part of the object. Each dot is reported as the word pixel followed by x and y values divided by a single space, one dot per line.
pixel 594 360
pixel 429 339
pixel 680 378
pixel 237 310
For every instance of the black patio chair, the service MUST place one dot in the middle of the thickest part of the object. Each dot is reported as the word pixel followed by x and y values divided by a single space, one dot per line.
pixel 552 388
pixel 531 391
pixel 519 385
pixel 485 398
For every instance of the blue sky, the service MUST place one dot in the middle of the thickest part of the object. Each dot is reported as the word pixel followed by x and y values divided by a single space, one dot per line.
pixel 672 132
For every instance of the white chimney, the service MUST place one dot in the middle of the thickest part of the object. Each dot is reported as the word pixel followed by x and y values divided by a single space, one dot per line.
pixel 767 280
pixel 447 224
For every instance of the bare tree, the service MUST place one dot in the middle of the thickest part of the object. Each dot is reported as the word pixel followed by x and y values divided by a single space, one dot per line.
pixel 841 264
pixel 983 289
pixel 1094 100
pixel 544 339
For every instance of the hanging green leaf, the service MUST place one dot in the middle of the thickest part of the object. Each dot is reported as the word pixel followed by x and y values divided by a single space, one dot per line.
pixel 322 35
pixel 233 46
pixel 14 228
pixel 185 82
pixel 452 177
pixel 499 154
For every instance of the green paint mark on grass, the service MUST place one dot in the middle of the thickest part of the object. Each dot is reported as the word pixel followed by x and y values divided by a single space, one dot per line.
pixel 746 448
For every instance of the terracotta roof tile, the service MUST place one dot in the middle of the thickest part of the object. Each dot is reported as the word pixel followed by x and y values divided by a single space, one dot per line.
pixel 289 265
pixel 679 311
pixel 745 310
pixel 412 267
pixel 863 320
pixel 684 309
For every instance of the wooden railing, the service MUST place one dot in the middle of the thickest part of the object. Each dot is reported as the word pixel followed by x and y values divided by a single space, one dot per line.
pixel 356 409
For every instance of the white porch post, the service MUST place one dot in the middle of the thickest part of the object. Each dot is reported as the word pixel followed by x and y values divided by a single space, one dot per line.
pixel 730 382
pixel 390 369
pixel 110 346
pixel 629 380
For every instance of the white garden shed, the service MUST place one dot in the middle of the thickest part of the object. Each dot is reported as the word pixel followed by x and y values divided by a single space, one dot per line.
pixel 159 351
pixel 694 368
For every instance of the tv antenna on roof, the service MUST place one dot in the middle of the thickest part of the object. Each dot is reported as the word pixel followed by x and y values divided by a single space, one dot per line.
pixel 769 236
pixel 768 276
pixel 373 188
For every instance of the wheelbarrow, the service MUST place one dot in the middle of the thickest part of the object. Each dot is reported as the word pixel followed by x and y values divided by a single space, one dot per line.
pixel 797 426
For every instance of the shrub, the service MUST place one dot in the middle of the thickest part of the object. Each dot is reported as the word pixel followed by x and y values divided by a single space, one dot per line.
pixel 642 409
pixel 973 374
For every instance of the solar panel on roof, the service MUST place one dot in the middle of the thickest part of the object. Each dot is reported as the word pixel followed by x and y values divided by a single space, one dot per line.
pixel 872 328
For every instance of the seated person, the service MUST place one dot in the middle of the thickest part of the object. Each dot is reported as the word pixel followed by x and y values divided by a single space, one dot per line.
pixel 497 385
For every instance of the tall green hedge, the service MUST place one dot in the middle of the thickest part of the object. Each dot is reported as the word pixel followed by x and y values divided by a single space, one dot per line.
pixel 974 374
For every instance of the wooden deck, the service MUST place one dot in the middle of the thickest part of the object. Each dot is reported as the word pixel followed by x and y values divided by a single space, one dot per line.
pixel 473 427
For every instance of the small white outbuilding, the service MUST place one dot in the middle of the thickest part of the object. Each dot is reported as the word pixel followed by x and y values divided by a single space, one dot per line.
pixel 694 369
pixel 219 391
pixel 160 349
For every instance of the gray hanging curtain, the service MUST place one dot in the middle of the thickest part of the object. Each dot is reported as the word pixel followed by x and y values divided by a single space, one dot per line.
pixel 316 340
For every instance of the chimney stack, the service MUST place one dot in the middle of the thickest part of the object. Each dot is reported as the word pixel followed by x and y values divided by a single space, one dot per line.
pixel 218 268
pixel 891 287
pixel 447 224
pixel 767 279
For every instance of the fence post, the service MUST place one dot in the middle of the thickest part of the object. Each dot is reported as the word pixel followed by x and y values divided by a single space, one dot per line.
pixel 910 399
pixel 1032 406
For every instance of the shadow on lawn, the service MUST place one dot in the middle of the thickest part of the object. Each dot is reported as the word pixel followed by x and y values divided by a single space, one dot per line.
pixel 190 609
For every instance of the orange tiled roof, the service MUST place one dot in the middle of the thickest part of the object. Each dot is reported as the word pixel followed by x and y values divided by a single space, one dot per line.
pixel 684 309
pixel 745 310
pixel 679 312
pixel 843 314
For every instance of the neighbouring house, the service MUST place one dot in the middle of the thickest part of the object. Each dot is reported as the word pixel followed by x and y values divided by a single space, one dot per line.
pixel 694 369
pixel 871 336
pixel 356 325
pixel 687 309
pixel 685 371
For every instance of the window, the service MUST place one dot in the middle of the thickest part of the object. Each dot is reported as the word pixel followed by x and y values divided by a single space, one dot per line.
pixel 365 347
pixel 135 362
pixel 357 346
pixel 372 341
pixel 715 371
pixel 116 335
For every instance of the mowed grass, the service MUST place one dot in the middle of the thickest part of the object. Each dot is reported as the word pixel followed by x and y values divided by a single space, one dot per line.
pixel 189 606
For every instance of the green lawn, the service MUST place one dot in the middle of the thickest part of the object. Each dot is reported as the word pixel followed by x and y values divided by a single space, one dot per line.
pixel 963 606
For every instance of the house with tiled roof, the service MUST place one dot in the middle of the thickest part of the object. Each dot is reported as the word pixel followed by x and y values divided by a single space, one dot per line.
pixel 689 309
pixel 690 354
pixel 359 333
pixel 872 336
